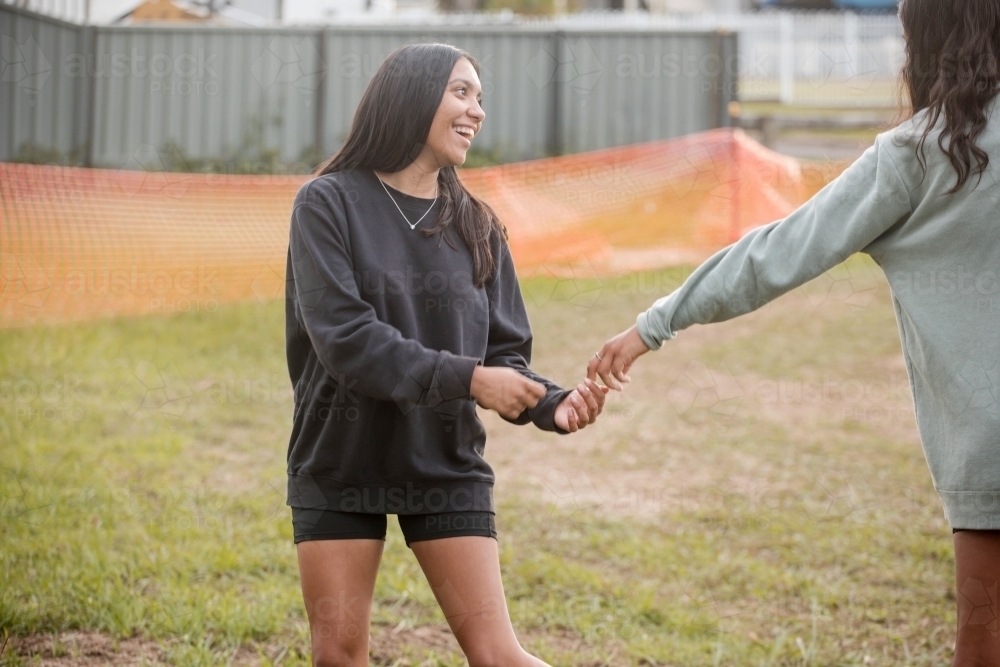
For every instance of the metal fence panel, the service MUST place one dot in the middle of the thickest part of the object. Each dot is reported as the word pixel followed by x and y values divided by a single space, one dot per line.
pixel 204 93
pixel 628 87
pixel 161 97
pixel 43 88
pixel 518 105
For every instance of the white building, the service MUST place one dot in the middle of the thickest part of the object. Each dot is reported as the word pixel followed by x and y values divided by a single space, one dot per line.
pixel 296 12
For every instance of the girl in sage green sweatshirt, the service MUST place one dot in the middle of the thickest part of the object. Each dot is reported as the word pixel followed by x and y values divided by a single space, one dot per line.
pixel 924 203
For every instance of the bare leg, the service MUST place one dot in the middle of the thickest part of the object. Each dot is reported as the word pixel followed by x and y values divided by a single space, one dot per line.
pixel 338 583
pixel 977 561
pixel 464 573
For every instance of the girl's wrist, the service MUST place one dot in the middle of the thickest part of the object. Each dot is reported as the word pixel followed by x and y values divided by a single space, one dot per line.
pixel 477 381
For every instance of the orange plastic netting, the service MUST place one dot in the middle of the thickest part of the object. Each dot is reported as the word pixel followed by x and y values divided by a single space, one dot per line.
pixel 77 243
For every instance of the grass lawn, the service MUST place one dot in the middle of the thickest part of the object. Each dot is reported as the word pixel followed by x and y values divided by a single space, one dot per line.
pixel 757 496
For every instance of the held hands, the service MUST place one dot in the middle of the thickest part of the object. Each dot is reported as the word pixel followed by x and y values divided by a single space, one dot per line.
pixel 581 406
pixel 510 393
pixel 612 364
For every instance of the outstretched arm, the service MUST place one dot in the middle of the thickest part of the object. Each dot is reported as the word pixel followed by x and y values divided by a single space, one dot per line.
pixel 845 217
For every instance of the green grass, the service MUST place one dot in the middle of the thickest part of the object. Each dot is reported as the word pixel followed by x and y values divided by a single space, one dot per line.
pixel 142 493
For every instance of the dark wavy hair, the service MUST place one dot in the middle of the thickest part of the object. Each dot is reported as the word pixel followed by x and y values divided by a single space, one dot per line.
pixel 953 71
pixel 389 131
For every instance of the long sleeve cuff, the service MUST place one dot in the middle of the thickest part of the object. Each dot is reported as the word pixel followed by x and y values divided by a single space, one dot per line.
pixel 645 328
pixel 464 368
pixel 435 386
pixel 543 415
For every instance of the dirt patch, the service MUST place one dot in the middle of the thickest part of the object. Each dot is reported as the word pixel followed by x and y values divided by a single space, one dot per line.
pixel 385 643
pixel 82 649
pixel 389 646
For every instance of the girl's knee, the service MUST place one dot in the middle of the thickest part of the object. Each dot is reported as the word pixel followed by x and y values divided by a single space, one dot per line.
pixel 338 651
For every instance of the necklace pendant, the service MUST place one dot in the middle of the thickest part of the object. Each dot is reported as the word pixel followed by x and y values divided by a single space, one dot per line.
pixel 413 225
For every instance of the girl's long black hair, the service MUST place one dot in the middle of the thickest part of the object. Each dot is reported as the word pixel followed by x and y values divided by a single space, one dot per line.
pixel 953 71
pixel 390 129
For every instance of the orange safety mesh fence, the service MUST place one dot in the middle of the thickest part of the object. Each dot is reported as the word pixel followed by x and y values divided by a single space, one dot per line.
pixel 77 243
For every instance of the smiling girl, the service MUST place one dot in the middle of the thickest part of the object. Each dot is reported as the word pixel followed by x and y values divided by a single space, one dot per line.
pixel 403 312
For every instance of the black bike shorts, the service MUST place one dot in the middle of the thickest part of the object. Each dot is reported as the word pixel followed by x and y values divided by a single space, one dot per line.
pixel 322 524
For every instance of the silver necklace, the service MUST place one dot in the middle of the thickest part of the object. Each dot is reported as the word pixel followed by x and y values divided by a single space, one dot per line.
pixel 413 225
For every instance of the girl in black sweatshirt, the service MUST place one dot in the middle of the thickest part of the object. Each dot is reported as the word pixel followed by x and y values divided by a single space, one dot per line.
pixel 404 312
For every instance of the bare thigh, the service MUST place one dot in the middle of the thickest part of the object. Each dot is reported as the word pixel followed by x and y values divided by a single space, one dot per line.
pixel 464 573
pixel 338 583
pixel 977 569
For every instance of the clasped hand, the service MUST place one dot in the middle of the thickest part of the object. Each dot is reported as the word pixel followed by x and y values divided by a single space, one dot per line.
pixel 510 393
pixel 611 364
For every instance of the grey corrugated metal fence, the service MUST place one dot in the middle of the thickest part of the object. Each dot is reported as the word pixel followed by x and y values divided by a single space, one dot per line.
pixel 142 96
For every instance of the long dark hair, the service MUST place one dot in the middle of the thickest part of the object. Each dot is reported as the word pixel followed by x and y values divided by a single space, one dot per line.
pixel 953 71
pixel 390 128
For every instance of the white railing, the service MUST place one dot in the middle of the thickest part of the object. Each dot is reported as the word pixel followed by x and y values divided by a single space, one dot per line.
pixel 836 59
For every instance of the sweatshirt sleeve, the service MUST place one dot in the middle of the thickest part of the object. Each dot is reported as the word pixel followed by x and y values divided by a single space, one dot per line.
pixel 351 343
pixel 845 217
pixel 510 342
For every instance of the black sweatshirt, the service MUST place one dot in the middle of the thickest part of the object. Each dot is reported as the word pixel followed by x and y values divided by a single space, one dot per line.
pixel 384 327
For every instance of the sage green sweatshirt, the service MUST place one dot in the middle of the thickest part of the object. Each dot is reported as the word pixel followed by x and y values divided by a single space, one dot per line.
pixel 941 257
